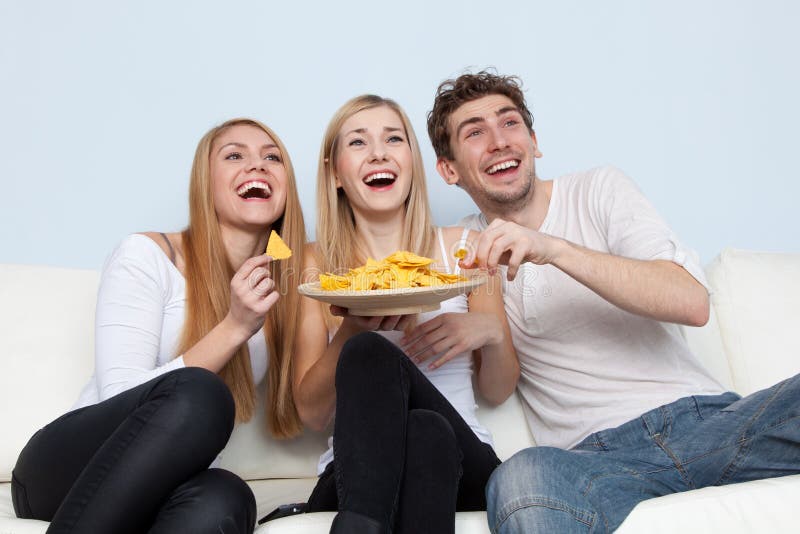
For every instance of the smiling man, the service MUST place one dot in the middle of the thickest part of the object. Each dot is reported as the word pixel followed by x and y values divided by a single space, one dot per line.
pixel 596 282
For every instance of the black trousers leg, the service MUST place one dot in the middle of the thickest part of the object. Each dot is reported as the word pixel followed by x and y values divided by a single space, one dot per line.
pixel 214 501
pixel 377 388
pixel 112 466
pixel 323 498
pixel 431 478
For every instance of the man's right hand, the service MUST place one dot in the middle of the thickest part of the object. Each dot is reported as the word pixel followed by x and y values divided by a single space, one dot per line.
pixel 508 243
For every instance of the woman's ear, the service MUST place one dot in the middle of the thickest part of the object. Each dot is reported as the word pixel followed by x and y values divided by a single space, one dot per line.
pixel 336 180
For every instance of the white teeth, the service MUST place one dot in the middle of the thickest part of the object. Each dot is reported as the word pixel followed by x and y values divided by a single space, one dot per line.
pixel 247 186
pixel 378 176
pixel 503 165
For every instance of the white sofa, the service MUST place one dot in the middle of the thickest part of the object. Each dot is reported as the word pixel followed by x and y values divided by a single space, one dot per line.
pixel 46 347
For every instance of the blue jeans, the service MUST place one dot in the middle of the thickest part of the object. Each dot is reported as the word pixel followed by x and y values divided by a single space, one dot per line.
pixel 691 443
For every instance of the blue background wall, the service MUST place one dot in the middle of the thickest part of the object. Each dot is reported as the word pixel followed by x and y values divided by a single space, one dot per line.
pixel 103 103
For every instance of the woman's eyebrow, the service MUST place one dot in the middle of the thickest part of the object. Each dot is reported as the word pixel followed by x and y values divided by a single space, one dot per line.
pixel 238 145
pixel 357 130
pixel 242 145
pixel 362 131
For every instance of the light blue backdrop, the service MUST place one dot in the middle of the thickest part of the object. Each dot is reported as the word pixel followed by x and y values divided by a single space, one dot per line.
pixel 103 103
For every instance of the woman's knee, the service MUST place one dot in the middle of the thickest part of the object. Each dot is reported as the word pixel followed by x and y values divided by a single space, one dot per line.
pixel 229 494
pixel 431 427
pixel 430 439
pixel 214 500
pixel 365 354
pixel 199 403
pixel 231 501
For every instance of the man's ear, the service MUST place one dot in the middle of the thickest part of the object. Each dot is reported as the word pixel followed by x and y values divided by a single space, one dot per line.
pixel 536 152
pixel 446 171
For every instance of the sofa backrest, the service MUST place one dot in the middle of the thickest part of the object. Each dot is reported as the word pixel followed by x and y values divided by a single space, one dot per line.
pixel 46 349
pixel 706 344
pixel 756 297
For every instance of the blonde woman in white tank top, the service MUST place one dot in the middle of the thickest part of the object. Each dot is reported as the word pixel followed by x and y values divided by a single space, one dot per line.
pixel 407 450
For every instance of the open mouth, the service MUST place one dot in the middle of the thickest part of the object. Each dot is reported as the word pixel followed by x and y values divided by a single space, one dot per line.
pixel 380 179
pixel 254 189
pixel 504 167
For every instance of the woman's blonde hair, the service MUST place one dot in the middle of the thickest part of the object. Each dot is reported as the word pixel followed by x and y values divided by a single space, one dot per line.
pixel 337 243
pixel 208 278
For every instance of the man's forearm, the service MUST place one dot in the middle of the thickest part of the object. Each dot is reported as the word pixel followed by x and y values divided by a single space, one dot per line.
pixel 658 289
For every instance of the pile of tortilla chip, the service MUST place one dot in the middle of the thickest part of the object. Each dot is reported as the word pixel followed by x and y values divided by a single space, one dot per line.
pixel 399 270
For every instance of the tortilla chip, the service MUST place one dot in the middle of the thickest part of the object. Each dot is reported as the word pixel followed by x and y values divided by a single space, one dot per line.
pixel 408 259
pixel 277 248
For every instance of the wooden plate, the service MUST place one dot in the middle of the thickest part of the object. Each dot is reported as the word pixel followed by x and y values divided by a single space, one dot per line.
pixel 391 301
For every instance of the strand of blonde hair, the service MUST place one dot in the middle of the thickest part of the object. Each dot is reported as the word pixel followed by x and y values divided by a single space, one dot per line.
pixel 208 276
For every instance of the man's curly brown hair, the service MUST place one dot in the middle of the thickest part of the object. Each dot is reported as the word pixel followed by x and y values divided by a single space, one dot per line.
pixel 451 94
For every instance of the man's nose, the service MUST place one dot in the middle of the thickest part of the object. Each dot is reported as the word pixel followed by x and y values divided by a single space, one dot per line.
pixel 497 139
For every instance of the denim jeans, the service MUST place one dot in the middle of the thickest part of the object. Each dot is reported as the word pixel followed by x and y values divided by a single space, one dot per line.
pixel 691 443
pixel 138 462
pixel 403 456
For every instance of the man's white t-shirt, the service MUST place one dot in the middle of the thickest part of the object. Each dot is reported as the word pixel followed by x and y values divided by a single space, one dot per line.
pixel 586 364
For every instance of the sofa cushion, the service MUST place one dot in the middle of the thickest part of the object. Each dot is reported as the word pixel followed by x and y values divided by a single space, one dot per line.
pixel 9 524
pixel 47 346
pixel 507 424
pixel 253 454
pixel 466 523
pixel 756 298
pixel 706 344
pixel 757 506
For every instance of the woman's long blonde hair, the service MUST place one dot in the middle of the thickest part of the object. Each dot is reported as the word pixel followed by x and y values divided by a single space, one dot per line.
pixel 337 240
pixel 208 279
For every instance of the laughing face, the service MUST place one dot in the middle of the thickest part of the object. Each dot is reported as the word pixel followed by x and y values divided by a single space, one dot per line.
pixel 493 154
pixel 248 178
pixel 373 160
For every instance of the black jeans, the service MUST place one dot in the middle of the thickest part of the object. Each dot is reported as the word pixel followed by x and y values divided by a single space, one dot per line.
pixel 138 462
pixel 403 456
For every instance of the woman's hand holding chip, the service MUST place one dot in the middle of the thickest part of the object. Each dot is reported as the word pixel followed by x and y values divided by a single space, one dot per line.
pixel 252 295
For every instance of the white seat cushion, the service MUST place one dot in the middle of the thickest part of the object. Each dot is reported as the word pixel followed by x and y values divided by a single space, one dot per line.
pixel 320 523
pixel 751 507
pixel 9 524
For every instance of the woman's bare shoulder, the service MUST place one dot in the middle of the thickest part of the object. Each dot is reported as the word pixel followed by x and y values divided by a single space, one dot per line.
pixel 167 240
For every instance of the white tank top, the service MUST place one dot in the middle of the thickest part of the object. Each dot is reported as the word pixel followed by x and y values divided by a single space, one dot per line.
pixel 454 378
